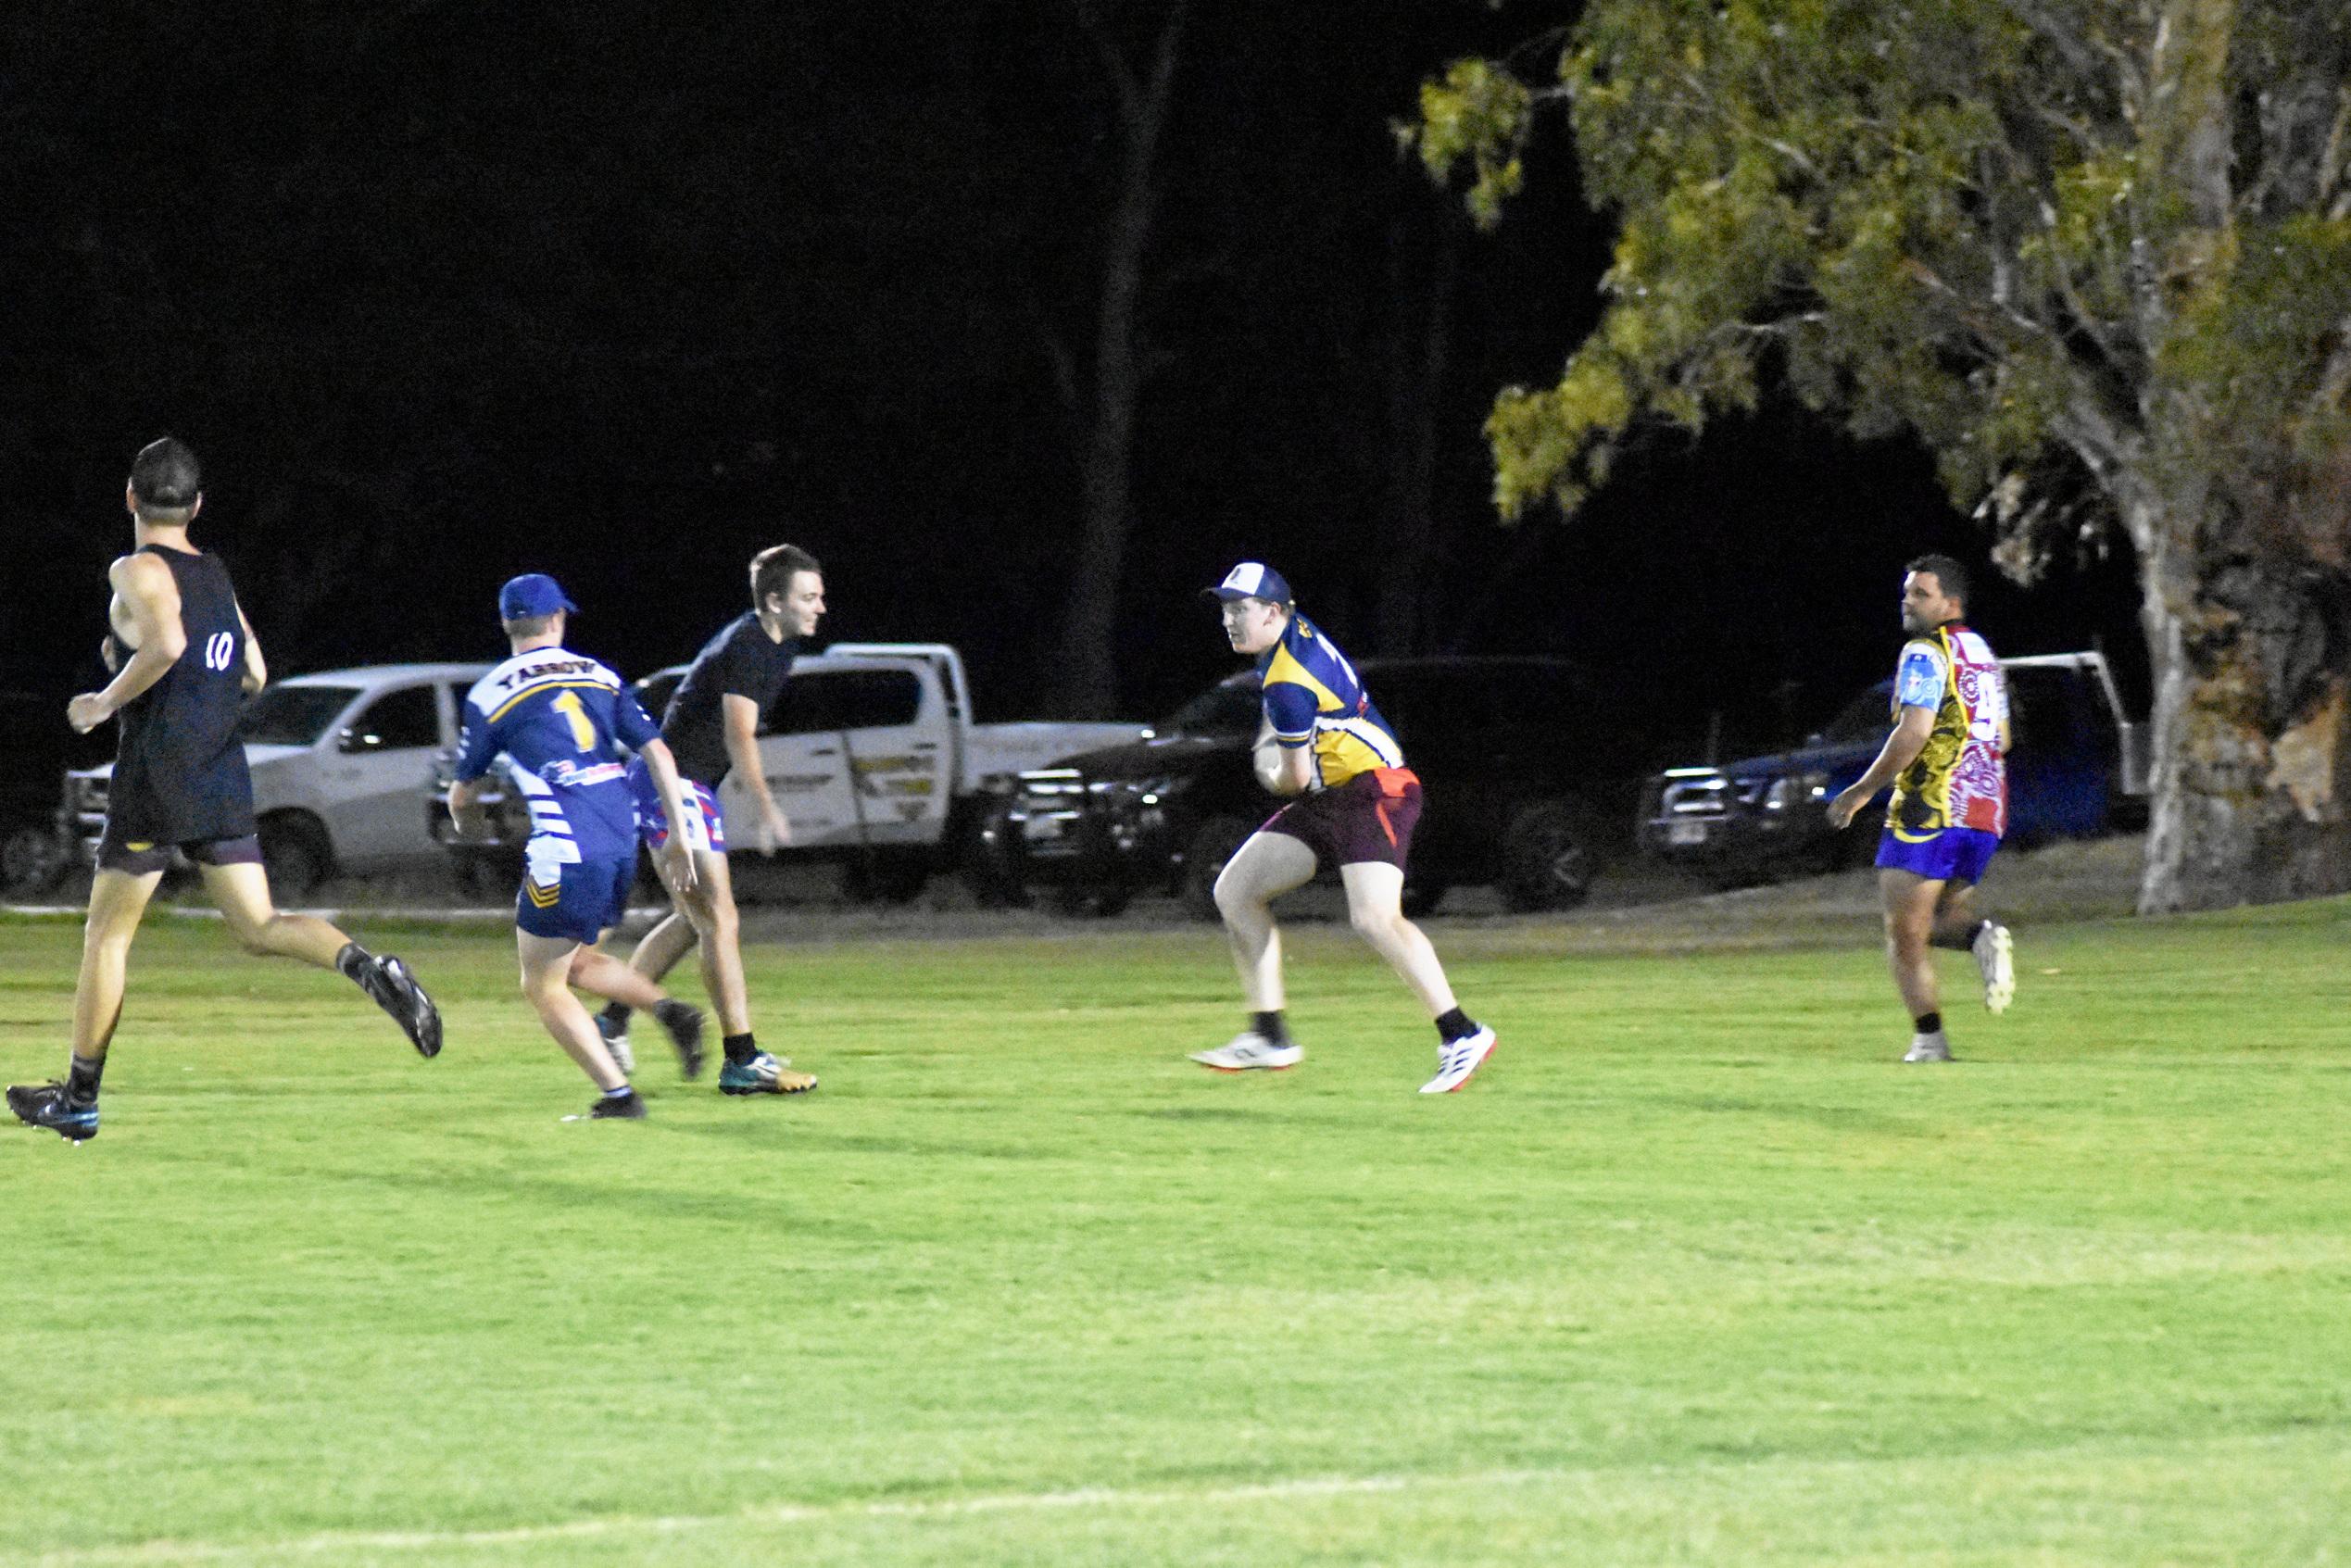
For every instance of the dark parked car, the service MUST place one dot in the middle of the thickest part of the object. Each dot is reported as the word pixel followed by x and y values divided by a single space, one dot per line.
pixel 2077 767
pixel 36 849
pixel 1529 778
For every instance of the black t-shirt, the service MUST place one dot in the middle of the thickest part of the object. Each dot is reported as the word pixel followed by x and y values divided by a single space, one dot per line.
pixel 740 661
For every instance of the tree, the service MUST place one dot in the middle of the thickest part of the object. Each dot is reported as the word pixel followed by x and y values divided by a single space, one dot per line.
pixel 1141 99
pixel 2095 253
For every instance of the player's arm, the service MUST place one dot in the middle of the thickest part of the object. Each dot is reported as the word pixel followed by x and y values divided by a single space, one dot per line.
pixel 1290 725
pixel 151 599
pixel 739 718
pixel 257 669
pixel 672 789
pixel 477 748
pixel 1901 749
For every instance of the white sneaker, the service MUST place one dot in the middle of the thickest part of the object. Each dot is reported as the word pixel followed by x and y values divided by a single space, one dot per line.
pixel 1928 1047
pixel 1457 1062
pixel 1250 1050
pixel 1995 953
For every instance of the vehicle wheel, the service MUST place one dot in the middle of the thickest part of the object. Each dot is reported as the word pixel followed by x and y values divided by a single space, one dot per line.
pixel 1422 898
pixel 1213 843
pixel 991 870
pixel 293 851
pixel 1098 901
pixel 1548 857
pixel 33 860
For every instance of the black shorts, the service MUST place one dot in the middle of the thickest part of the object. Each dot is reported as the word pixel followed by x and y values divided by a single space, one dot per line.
pixel 1369 819
pixel 138 858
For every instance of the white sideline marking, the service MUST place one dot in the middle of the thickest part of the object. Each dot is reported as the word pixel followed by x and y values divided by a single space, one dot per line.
pixel 328 1543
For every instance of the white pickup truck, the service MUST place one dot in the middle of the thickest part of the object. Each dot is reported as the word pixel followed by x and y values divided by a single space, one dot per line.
pixel 873 757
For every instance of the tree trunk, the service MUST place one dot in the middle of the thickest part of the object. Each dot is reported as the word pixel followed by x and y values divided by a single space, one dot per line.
pixel 2251 749
pixel 1086 675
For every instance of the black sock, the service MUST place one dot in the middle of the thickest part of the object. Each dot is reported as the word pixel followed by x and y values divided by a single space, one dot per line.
pixel 739 1048
pixel 1455 1025
pixel 82 1078
pixel 1931 1023
pixel 352 960
pixel 619 1013
pixel 1271 1026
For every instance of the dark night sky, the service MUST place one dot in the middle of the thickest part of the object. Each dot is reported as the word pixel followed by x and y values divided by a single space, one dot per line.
pixel 624 291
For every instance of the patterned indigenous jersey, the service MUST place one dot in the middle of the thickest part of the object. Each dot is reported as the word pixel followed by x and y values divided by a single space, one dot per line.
pixel 1959 780
pixel 1314 698
pixel 562 719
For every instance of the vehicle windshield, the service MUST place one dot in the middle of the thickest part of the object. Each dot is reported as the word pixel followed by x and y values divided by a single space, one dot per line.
pixel 1865 718
pixel 293 715
pixel 1221 709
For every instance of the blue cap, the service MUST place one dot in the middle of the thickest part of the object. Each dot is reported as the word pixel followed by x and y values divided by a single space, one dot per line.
pixel 1252 579
pixel 531 596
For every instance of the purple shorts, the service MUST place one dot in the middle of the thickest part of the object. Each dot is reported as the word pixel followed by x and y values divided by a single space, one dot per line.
pixel 139 860
pixel 1369 818
pixel 705 830
pixel 1939 854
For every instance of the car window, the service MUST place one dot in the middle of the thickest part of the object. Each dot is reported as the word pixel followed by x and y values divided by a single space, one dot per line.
pixel 396 721
pixel 1869 716
pixel 846 699
pixel 292 715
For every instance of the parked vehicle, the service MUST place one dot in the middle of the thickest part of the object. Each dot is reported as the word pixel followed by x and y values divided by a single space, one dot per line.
pixel 1528 772
pixel 36 849
pixel 871 752
pixel 337 758
pixel 2077 767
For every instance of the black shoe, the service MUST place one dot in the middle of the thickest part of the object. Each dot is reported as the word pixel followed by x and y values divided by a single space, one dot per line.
pixel 685 1026
pixel 629 1107
pixel 47 1105
pixel 395 991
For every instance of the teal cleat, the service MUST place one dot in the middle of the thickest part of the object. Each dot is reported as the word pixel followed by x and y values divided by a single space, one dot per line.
pixel 763 1075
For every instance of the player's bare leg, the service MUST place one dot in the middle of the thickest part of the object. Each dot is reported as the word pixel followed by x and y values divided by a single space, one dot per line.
pixel 1262 870
pixel 659 950
pixel 709 905
pixel 117 902
pixel 1376 908
pixel 599 974
pixel 70 1106
pixel 1264 867
pixel 1909 902
pixel 241 893
pixel 546 984
pixel 1963 928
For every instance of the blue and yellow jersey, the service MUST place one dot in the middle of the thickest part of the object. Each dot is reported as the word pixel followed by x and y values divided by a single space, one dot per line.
pixel 1959 781
pixel 1314 698
pixel 562 718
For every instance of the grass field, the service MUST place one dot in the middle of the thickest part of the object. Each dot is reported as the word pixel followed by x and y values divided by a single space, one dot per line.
pixel 1695 1272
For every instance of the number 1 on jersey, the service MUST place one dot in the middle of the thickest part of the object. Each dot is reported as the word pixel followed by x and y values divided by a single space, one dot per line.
pixel 583 731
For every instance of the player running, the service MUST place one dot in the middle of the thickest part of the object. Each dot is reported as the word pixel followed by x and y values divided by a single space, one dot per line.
pixel 183 657
pixel 1358 806
pixel 561 718
pixel 712 728
pixel 1950 801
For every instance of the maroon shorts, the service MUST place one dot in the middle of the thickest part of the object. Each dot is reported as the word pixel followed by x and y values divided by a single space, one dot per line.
pixel 1370 817
pixel 139 858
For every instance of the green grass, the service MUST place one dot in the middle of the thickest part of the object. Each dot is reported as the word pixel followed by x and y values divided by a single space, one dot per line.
pixel 1693 1273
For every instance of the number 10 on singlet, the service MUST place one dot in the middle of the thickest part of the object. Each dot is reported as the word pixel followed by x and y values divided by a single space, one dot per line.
pixel 219 648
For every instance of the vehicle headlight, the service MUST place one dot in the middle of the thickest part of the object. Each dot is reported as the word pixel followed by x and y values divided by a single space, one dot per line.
pixel 1795 790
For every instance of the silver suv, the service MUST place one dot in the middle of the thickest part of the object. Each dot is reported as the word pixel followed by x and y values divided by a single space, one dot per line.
pixel 337 759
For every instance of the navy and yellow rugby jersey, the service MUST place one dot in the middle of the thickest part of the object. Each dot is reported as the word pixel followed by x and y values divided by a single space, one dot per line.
pixel 1314 697
pixel 562 718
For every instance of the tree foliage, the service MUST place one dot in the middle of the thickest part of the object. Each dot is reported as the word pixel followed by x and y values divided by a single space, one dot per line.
pixel 2092 252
